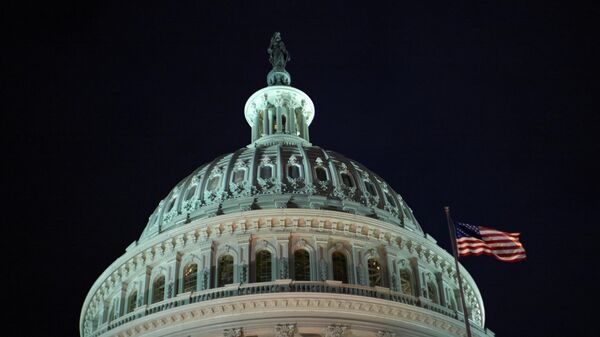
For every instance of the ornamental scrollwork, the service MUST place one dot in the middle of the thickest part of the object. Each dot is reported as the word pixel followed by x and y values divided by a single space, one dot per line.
pixel 286 330
pixel 235 332
pixel 241 189
pixel 336 331
pixel 295 184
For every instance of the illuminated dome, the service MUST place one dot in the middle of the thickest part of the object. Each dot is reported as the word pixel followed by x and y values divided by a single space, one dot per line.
pixel 282 238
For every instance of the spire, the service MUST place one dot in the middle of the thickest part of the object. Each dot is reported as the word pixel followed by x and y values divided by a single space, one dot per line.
pixel 279 57
pixel 279 113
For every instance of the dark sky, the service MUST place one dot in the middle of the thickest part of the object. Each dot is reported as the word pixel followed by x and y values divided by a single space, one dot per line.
pixel 487 106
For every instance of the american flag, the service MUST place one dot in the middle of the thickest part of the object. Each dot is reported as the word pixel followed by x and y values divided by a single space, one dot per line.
pixel 477 240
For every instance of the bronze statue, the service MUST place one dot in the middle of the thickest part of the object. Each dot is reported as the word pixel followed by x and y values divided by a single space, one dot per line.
pixel 278 55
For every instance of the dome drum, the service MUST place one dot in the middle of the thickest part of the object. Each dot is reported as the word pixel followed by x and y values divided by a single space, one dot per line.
pixel 380 262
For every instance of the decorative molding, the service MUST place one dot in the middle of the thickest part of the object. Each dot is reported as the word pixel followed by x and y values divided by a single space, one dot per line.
pixel 286 330
pixel 336 330
pixel 235 332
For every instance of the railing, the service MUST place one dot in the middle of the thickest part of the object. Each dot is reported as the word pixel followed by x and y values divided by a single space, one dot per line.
pixel 279 286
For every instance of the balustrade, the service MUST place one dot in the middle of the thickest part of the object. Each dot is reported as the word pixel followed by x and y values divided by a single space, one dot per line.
pixel 279 286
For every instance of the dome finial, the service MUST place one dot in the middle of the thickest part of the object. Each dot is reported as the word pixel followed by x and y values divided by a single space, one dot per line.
pixel 278 56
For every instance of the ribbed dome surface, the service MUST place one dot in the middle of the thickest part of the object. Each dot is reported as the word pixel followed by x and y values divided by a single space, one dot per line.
pixel 279 176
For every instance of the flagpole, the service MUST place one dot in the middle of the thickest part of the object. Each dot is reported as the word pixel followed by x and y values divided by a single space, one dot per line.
pixel 455 251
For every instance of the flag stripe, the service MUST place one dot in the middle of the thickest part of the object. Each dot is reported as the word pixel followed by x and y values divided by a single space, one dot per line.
pixel 495 244
pixel 493 251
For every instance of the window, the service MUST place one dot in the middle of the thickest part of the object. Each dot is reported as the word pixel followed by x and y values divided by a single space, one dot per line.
pixel 263 266
pixel 158 289
pixel 190 277
pixel 347 180
pixel 432 292
pixel 132 301
pixel 225 270
pixel 239 176
pixel 406 282
pixel 301 265
pixel 190 192
pixel 321 173
pixel 375 273
pixel 266 172
pixel 283 123
pixel 370 188
pixel 294 171
pixel 213 183
pixel 340 268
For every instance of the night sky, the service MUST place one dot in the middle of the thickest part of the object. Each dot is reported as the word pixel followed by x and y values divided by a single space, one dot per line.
pixel 489 107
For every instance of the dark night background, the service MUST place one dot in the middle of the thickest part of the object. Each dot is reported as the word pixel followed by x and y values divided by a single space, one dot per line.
pixel 489 107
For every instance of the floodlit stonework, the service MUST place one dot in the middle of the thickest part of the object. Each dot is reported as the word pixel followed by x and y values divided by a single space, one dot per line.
pixel 282 238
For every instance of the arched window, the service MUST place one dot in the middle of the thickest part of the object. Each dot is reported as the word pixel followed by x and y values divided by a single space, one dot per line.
pixel 294 171
pixel 406 282
pixel 263 266
pixel 301 265
pixel 339 267
pixel 370 188
pixel 239 175
pixel 190 277
pixel 132 301
pixel 266 172
pixel 432 292
pixel 347 180
pixel 321 173
pixel 283 123
pixel 225 270
pixel 213 183
pixel 375 273
pixel 190 192
pixel 158 289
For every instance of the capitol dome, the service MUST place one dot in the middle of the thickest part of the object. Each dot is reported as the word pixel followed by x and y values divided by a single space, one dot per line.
pixel 282 238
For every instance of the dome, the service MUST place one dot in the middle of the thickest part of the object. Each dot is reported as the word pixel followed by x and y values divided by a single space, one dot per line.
pixel 282 238
pixel 279 176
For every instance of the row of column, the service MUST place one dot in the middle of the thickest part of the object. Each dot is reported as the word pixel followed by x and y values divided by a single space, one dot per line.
pixel 282 247
pixel 280 119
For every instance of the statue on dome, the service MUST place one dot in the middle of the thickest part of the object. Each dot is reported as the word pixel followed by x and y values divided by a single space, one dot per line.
pixel 278 55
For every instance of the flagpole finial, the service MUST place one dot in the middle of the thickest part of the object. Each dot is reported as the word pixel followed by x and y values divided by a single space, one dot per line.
pixel 447 209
